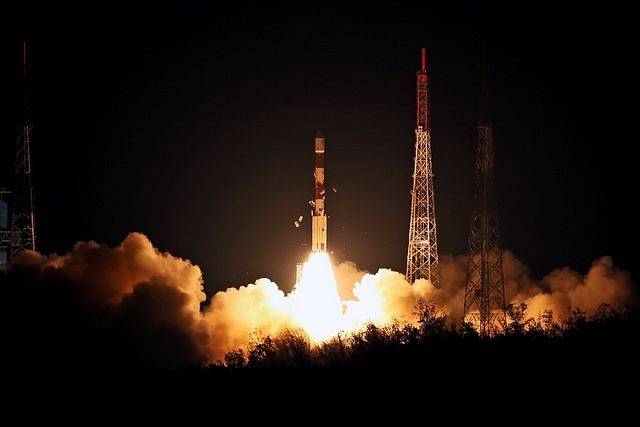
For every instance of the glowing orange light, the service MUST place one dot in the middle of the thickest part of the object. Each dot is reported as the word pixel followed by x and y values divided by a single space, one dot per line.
pixel 316 303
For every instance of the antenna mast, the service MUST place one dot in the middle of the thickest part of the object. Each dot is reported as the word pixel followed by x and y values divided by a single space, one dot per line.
pixel 484 305
pixel 422 256
pixel 22 225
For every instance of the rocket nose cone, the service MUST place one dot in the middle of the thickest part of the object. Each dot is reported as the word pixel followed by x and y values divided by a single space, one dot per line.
pixel 319 134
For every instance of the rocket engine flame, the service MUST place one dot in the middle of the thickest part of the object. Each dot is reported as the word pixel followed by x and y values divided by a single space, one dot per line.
pixel 316 303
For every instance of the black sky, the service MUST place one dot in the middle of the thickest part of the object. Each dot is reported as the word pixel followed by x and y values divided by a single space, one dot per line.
pixel 193 123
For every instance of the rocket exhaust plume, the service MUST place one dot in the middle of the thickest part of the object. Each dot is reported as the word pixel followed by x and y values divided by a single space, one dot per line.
pixel 316 302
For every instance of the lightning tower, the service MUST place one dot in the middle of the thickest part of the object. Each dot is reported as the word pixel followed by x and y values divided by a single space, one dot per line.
pixel 23 234
pixel 422 256
pixel 484 305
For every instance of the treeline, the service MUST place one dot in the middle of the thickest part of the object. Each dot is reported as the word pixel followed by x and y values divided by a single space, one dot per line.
pixel 535 360
pixel 527 345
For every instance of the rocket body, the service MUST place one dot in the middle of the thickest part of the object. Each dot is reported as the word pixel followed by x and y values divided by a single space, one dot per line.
pixel 318 216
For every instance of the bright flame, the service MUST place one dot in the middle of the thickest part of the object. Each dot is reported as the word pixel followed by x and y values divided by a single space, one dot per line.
pixel 316 303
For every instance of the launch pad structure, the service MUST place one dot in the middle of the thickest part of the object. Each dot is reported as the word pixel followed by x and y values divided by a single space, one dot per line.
pixel 422 255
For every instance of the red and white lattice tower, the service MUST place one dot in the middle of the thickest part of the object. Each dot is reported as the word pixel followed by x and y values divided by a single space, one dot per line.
pixel 422 256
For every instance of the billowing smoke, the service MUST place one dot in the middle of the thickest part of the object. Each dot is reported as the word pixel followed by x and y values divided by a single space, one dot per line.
pixel 129 303
pixel 235 314
pixel 137 304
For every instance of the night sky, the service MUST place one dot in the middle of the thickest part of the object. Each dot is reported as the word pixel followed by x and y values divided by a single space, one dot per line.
pixel 194 124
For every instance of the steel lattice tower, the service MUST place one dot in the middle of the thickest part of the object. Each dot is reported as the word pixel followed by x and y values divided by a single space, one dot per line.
pixel 422 256
pixel 23 234
pixel 484 305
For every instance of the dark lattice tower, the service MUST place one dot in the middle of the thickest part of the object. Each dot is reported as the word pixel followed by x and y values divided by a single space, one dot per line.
pixel 484 305
pixel 422 256
pixel 23 234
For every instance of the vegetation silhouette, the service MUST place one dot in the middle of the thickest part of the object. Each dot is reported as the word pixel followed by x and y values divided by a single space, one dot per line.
pixel 540 347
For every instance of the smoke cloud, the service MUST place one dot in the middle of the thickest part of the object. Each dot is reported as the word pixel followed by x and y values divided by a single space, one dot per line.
pixel 137 304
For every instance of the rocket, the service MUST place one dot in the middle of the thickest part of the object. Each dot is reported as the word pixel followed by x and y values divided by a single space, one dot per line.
pixel 318 216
